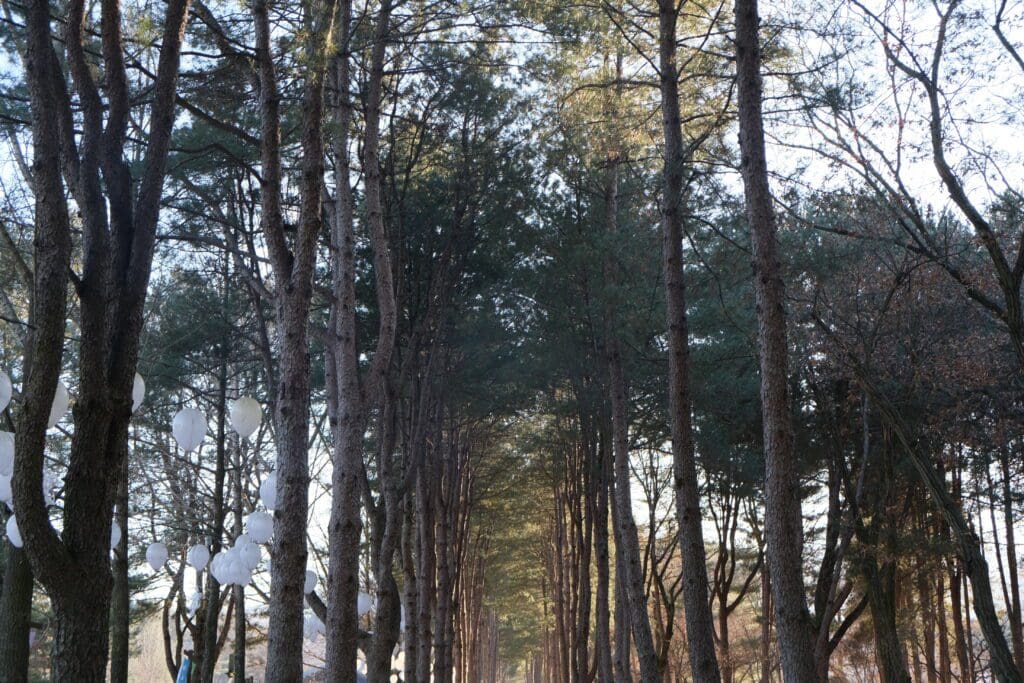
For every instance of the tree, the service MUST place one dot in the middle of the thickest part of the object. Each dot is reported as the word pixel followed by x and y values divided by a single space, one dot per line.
pixel 119 213
pixel 293 271
pixel 783 523
pixel 699 628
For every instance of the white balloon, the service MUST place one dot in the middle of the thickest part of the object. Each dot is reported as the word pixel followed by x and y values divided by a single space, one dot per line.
pixel 260 526
pixel 193 602
pixel 198 556
pixel 364 604
pixel 115 534
pixel 233 568
pixel 312 627
pixel 310 584
pixel 229 569
pixel 5 489
pixel 243 577
pixel 251 555
pixel 268 491
pixel 246 415
pixel 189 428
pixel 61 399
pixel 217 568
pixel 5 390
pixel 156 555
pixel 138 391
pixel 6 453
pixel 13 532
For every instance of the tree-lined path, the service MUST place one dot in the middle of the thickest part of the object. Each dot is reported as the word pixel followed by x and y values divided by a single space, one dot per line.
pixel 522 341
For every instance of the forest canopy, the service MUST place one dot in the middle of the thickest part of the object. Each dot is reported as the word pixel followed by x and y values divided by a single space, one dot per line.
pixel 470 340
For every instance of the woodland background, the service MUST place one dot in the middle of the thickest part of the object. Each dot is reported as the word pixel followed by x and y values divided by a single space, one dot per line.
pixel 488 268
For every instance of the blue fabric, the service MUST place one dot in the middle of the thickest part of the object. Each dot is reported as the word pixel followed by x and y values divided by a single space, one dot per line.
pixel 183 671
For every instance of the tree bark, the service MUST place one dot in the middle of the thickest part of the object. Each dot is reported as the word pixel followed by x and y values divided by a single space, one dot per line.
pixel 880 582
pixel 766 627
pixel 346 523
pixel 699 623
pixel 1014 611
pixel 426 570
pixel 15 615
pixel 293 270
pixel 353 400
pixel 602 617
pixel 622 661
pixel 927 612
pixel 633 579
pixel 120 614
pixel 964 538
pixel 409 595
pixel 387 537
pixel 783 523
pixel 118 237
pixel 238 655
pixel 207 648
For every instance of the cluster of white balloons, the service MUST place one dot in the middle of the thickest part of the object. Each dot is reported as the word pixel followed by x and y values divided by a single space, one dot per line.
pixel 235 565
pixel 189 428
pixel 59 407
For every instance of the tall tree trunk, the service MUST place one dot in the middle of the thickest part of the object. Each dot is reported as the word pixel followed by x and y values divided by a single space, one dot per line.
pixel 284 637
pixel 1014 611
pixel 633 579
pixel 956 585
pixel 783 523
pixel 602 617
pixel 426 569
pixel 386 631
pixel 208 647
pixel 443 615
pixel 118 237
pixel 79 638
pixel 238 655
pixel 723 642
pixel 968 630
pixel 622 661
pixel 120 614
pixel 927 612
pixel 945 669
pixel 967 543
pixel 346 523
pixel 880 582
pixel 353 400
pixel 409 596
pixel 696 606
pixel 766 627
pixel 956 605
pixel 15 615
pixel 293 271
